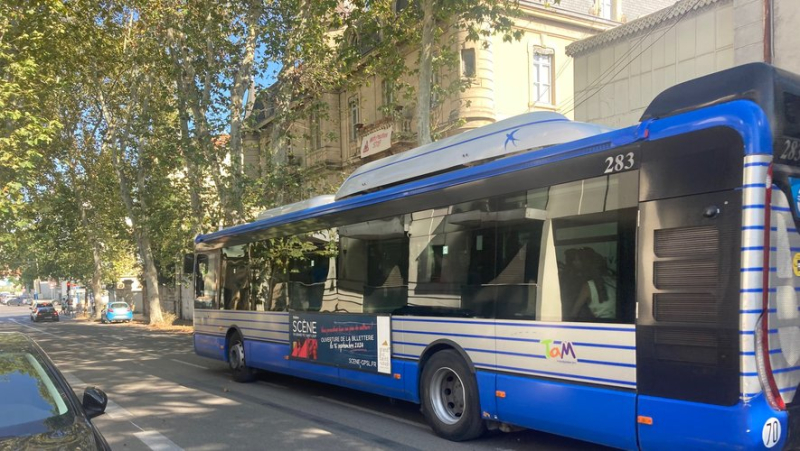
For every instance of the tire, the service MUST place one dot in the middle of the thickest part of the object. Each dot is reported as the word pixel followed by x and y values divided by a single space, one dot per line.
pixel 450 398
pixel 237 360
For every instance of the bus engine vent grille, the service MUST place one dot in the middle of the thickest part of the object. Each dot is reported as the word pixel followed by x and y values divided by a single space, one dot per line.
pixel 677 274
pixel 686 241
pixel 685 307
pixel 687 346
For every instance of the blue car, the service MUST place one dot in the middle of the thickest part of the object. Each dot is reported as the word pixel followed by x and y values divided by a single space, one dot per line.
pixel 117 311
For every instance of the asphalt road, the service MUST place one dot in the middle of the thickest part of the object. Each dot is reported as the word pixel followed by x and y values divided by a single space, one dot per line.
pixel 164 397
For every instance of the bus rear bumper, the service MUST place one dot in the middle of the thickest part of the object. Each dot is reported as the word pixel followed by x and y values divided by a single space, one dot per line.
pixel 793 439
pixel 674 424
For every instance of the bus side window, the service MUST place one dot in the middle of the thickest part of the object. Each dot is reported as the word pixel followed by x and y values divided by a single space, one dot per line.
pixel 236 278
pixel 206 276
pixel 590 250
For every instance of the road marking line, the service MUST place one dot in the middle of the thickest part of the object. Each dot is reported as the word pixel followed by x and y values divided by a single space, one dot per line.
pixel 190 364
pixel 34 328
pixel 152 439
pixel 374 412
pixel 156 441
pixel 115 410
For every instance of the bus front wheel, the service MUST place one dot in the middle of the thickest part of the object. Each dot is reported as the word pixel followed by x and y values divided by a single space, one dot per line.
pixel 236 360
pixel 450 397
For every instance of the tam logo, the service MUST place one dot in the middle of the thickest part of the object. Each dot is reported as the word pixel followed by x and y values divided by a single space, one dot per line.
pixel 563 353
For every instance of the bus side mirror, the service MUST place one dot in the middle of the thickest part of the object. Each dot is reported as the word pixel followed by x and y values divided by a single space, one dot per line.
pixel 188 263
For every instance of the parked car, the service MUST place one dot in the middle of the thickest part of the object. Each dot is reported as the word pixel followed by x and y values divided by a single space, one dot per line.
pixel 38 408
pixel 117 311
pixel 44 311
pixel 16 301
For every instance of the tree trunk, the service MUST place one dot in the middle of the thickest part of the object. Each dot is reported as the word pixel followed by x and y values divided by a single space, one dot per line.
pixel 115 144
pixel 192 171
pixel 425 75
pixel 97 260
pixel 242 81
pixel 150 279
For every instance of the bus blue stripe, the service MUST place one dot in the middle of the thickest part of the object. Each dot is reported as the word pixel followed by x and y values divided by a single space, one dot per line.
pixel 237 320
pixel 753 207
pixel 445 334
pixel 598 345
pixel 755 185
pixel 408 343
pixel 600 362
pixel 520 324
pixel 786 370
pixel 537 356
pixel 761 227
pixel 515 354
pixel 525 340
pixel 550 373
pixel 248 312
pixel 750 332
pixel 408 356
pixel 757 310
pixel 753 353
pixel 784 209
pixel 285 332
pixel 267 340
pixel 758 269
pixel 212 334
pixel 747 165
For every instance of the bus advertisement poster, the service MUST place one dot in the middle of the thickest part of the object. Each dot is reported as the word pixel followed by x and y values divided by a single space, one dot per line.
pixel 361 342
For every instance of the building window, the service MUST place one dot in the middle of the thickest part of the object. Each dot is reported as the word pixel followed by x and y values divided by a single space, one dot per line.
pixel 468 63
pixel 400 5
pixel 354 117
pixel 387 89
pixel 435 90
pixel 542 76
pixel 315 131
pixel 604 9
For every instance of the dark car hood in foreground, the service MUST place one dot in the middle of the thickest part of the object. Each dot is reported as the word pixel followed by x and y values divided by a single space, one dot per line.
pixel 77 436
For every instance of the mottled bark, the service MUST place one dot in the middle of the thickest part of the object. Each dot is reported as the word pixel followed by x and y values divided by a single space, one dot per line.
pixel 425 75
pixel 115 143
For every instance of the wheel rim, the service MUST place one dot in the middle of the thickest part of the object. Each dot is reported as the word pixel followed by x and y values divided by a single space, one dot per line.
pixel 236 356
pixel 447 395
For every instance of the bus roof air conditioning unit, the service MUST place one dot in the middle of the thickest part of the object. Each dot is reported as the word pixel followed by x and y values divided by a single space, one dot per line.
pixel 525 132
pixel 297 206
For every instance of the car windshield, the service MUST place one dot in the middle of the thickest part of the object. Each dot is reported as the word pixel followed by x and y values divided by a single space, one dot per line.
pixel 45 308
pixel 119 305
pixel 30 402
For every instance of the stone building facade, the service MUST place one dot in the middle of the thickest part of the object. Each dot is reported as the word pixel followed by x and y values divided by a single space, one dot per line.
pixel 618 72
pixel 505 79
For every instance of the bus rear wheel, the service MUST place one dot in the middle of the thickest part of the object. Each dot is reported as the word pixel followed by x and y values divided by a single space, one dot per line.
pixel 450 397
pixel 236 360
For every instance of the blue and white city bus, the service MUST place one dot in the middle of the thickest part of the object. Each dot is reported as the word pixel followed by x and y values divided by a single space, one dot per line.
pixel 635 288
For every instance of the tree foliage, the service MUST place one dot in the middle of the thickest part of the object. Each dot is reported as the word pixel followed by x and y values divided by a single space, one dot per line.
pixel 124 124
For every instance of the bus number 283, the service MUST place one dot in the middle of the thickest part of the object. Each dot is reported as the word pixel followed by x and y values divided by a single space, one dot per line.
pixel 619 162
